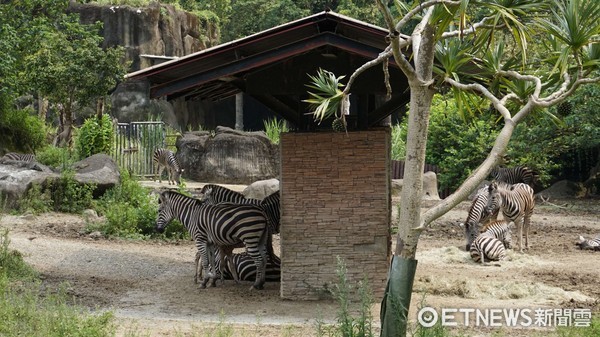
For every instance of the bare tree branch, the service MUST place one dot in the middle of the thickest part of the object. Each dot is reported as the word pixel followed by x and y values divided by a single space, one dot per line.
pixel 482 90
pixel 384 55
pixel 408 16
pixel 471 30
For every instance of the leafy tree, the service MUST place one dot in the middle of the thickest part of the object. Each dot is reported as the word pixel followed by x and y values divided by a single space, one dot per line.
pixel 475 47
pixel 71 69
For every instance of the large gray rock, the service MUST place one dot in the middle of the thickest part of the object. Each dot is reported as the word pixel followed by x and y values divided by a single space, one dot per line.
pixel 261 189
pixel 430 189
pixel 563 189
pixel 228 156
pixel 16 178
pixel 98 169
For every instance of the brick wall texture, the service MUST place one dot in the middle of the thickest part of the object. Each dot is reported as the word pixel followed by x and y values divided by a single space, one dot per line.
pixel 336 201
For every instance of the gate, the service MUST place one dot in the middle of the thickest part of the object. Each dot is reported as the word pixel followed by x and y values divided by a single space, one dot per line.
pixel 135 144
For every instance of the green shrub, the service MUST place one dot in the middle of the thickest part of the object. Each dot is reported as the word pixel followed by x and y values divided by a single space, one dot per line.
pixel 21 131
pixel 274 127
pixel 131 211
pixel 36 200
pixel 56 157
pixel 70 196
pixel 94 136
pixel 399 141
pixel 12 264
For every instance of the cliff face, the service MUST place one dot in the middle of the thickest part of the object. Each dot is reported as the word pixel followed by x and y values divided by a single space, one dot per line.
pixel 157 29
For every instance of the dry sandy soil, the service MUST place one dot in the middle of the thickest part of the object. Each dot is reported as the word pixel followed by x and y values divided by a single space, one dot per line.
pixel 149 285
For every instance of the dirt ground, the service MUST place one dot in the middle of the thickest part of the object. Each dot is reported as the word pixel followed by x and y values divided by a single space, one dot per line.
pixel 149 284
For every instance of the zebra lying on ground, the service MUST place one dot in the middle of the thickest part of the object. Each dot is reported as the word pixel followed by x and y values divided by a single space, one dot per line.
pixel 245 268
pixel 20 157
pixel 221 226
pixel 588 244
pixel 487 248
pixel 514 175
pixel 516 202
pixel 164 158
pixel 501 230
pixel 477 216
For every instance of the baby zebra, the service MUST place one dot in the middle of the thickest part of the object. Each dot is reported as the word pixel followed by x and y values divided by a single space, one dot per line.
pixel 477 216
pixel 588 244
pixel 245 268
pixel 487 248
pixel 164 158
pixel 500 229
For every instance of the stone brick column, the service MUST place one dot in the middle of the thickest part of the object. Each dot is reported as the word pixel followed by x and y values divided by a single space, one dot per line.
pixel 336 201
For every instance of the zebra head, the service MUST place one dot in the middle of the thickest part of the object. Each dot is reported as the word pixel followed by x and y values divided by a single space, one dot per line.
pixel 494 199
pixel 471 232
pixel 507 235
pixel 177 175
pixel 206 195
pixel 165 212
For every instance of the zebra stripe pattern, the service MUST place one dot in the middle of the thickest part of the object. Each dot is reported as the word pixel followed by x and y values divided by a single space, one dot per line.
pixel 22 157
pixel 221 226
pixel 487 248
pixel 514 175
pixel 588 244
pixel 517 203
pixel 246 270
pixel 477 216
pixel 165 159
pixel 500 230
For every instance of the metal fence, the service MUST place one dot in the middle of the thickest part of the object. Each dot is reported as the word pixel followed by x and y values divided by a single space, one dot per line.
pixel 134 145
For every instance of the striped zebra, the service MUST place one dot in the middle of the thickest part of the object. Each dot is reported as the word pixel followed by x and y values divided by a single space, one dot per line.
pixel 487 248
pixel 501 230
pixel 164 158
pixel 246 270
pixel 219 227
pixel 477 215
pixel 20 157
pixel 588 244
pixel 517 203
pixel 514 175
pixel 215 194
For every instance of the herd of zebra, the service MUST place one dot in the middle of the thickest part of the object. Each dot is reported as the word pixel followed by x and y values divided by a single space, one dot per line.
pixel 510 192
pixel 221 220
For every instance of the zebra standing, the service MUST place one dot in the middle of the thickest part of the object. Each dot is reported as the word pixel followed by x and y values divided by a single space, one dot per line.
pixel 516 202
pixel 223 226
pixel 20 157
pixel 487 248
pixel 164 158
pixel 514 175
pixel 477 216
pixel 589 244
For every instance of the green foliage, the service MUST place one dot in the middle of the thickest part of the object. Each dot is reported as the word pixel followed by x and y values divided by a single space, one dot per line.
pixel 21 131
pixel 36 201
pixel 327 100
pixel 399 141
pixel 95 136
pixel 348 325
pixel 57 157
pixel 575 331
pixel 70 196
pixel 24 311
pixel 274 127
pixel 11 263
pixel 131 211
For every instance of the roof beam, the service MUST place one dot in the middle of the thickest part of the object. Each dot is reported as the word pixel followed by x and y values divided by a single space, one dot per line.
pixel 278 107
pixel 387 108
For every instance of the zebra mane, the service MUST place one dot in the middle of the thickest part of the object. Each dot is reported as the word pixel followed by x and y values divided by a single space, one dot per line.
pixel 174 195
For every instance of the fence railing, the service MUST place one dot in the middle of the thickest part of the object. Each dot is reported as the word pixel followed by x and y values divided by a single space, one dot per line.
pixel 134 145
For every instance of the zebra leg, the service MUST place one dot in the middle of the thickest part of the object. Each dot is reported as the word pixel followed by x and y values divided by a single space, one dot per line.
pixel 198 272
pixel 520 234
pixel 526 223
pixel 206 259
pixel 160 171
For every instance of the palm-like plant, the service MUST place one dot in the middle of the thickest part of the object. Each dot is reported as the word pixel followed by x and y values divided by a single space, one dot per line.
pixel 328 98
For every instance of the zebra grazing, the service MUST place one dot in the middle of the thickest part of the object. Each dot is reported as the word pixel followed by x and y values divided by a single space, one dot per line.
pixel 514 175
pixel 164 158
pixel 588 244
pixel 246 270
pixel 220 226
pixel 516 202
pixel 477 215
pixel 487 248
pixel 20 157
pixel 500 230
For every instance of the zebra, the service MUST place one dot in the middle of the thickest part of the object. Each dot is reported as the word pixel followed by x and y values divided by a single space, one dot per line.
pixel 487 248
pixel 221 226
pixel 477 215
pixel 514 175
pixel 164 158
pixel 501 230
pixel 246 270
pixel 588 244
pixel 516 202
pixel 20 157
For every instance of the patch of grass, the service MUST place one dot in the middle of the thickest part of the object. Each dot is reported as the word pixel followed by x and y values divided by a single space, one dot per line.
pixel 11 261
pixel 572 331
